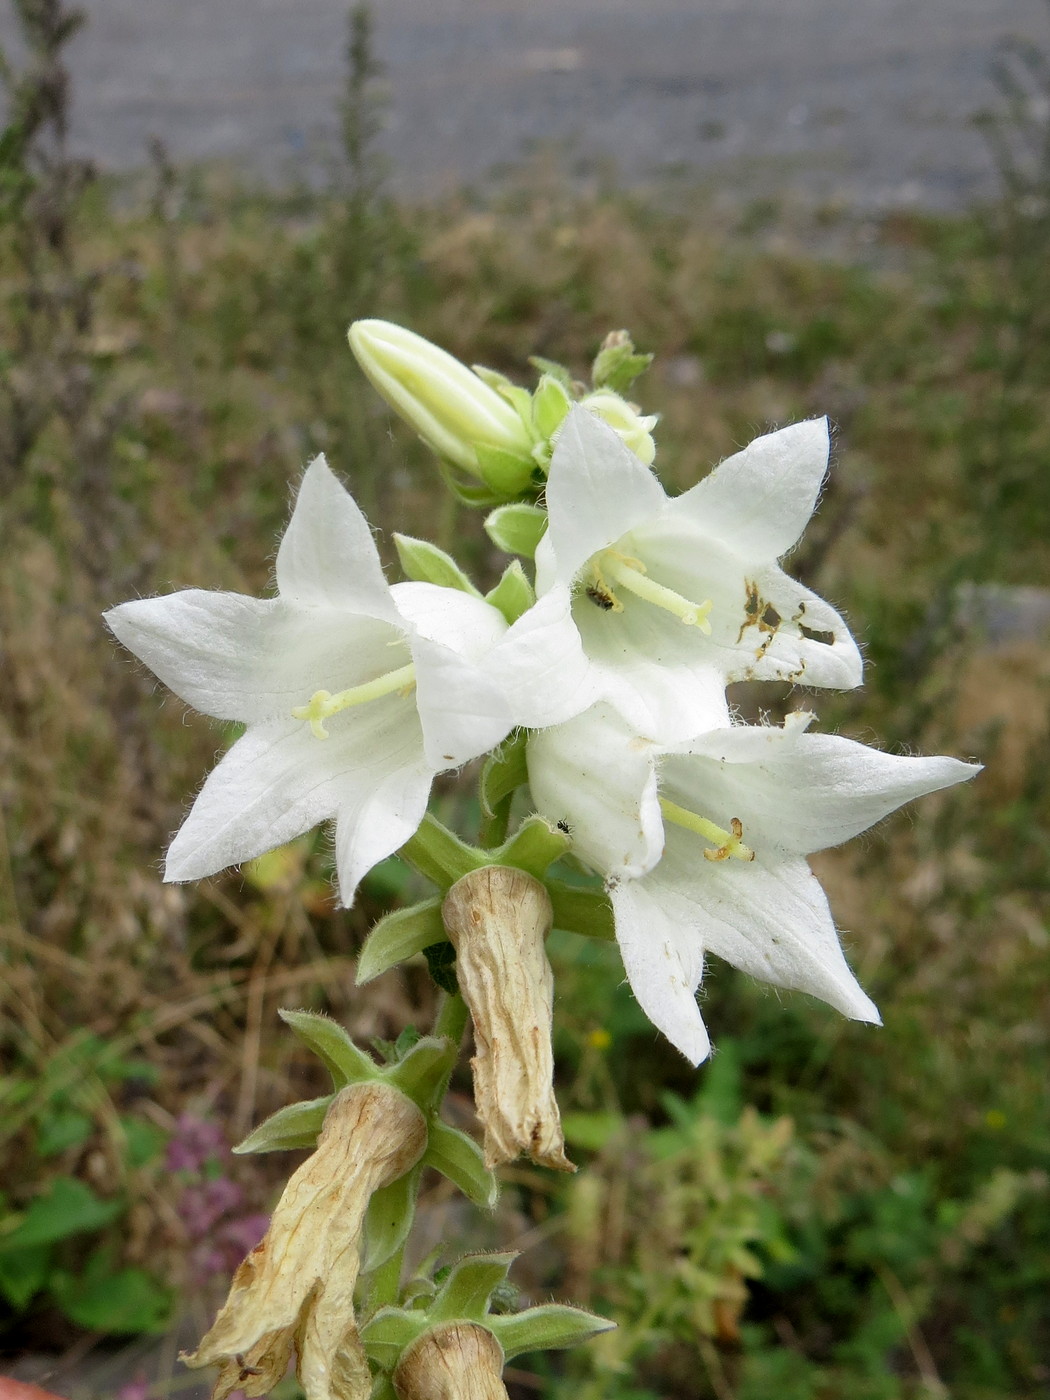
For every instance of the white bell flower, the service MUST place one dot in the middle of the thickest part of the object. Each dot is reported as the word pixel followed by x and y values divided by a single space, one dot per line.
pixel 670 598
pixel 353 693
pixel 703 849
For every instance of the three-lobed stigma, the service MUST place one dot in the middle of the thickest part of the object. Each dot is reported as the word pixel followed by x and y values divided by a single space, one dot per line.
pixel 323 704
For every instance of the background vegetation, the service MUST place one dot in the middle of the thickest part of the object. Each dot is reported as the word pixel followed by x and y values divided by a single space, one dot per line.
pixel 825 1210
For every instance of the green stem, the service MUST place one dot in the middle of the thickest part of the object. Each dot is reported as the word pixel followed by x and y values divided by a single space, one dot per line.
pixel 386 1282
pixel 451 1018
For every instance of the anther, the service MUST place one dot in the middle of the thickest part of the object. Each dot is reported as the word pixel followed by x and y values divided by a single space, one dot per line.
pixel 727 844
pixel 631 574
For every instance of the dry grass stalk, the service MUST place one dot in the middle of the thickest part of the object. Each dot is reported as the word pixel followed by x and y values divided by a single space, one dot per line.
pixel 497 919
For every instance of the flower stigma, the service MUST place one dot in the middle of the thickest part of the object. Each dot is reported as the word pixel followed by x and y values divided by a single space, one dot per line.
pixel 631 573
pixel 323 704
pixel 728 843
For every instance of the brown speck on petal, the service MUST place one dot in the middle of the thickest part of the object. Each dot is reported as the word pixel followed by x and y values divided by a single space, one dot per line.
pixel 498 919
pixel 295 1290
pixel 459 1361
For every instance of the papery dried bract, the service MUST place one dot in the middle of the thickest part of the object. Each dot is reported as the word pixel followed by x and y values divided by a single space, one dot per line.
pixel 296 1289
pixel 459 1361
pixel 498 918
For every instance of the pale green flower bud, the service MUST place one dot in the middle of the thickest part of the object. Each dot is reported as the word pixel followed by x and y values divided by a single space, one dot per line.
pixel 634 427
pixel 453 410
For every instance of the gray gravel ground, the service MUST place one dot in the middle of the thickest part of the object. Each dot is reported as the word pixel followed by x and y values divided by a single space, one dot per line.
pixel 864 101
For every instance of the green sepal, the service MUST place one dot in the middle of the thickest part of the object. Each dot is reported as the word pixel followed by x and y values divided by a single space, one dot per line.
pixel 547 1328
pixel 398 936
pixel 581 910
pixel 423 562
pixel 382 1388
pixel 389 1219
pixel 467 491
pixel 516 528
pixel 440 855
pixel 466 1291
pixel 520 399
pixel 296 1125
pixel 502 471
pixel 421 1074
pixel 550 403
pixel 504 771
pixel 332 1044
pixel 514 594
pixel 386 1334
pixel 554 370
pixel 617 366
pixel 458 1157
pixel 534 846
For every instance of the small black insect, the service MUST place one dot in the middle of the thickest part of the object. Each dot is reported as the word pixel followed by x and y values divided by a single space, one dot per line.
pixel 601 597
pixel 564 826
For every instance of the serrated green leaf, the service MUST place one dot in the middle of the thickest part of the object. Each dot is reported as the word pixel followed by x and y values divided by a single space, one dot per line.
pixel 504 771
pixel 332 1044
pixel 425 563
pixel 68 1208
pixel 457 1156
pixel 398 936
pixel 548 1328
pixel 293 1126
pixel 423 1070
pixel 550 403
pixel 24 1274
pixel 467 1288
pixel 388 1219
pixel 581 910
pixel 514 594
pixel 502 471
pixel 386 1334
pixel 516 528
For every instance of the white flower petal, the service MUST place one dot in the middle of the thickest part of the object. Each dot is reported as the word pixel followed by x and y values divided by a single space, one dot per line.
pixel 592 774
pixel 248 659
pixel 278 781
pixel 664 961
pixel 771 921
pixel 597 491
pixel 542 666
pixel 798 792
pixel 375 819
pixel 759 500
pixel 328 557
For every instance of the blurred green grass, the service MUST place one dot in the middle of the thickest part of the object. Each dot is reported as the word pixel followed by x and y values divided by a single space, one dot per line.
pixel 827 1210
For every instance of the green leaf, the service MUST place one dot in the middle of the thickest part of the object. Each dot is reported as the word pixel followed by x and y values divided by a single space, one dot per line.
pixel 504 771
pixel 102 1300
pixel 24 1274
pixel 550 403
pixel 516 528
pixel 502 471
pixel 548 1328
pixel 520 399
pixel 617 365
pixel 466 1291
pixel 514 594
pixel 386 1335
pixel 591 1130
pixel 60 1130
pixel 469 492
pixel 388 1220
pixel 293 1126
pixel 398 936
pixel 425 563
pixel 332 1044
pixel 68 1208
pixel 581 910
pixel 457 1156
pixel 145 1141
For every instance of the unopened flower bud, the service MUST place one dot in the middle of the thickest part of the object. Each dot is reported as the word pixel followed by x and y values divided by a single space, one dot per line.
pixel 457 1361
pixel 635 428
pixel 453 410
pixel 296 1288
pixel 497 918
